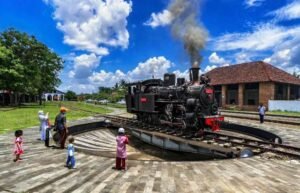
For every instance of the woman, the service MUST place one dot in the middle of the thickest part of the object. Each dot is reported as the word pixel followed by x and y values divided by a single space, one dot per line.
pixel 43 124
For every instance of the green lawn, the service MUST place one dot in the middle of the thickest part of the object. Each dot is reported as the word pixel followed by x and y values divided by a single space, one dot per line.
pixel 114 105
pixel 26 116
pixel 288 113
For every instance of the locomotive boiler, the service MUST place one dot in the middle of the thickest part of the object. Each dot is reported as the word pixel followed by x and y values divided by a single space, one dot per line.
pixel 180 107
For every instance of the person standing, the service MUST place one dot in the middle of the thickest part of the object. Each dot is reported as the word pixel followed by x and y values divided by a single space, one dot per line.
pixel 71 151
pixel 48 134
pixel 18 145
pixel 61 126
pixel 261 112
pixel 43 124
pixel 122 140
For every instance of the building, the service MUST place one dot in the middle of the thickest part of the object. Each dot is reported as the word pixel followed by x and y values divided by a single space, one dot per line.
pixel 10 98
pixel 56 95
pixel 249 84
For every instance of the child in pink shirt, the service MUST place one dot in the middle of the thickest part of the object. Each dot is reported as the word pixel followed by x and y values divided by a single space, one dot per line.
pixel 18 145
pixel 122 140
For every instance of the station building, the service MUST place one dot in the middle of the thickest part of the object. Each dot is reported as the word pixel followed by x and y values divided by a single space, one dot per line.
pixel 244 86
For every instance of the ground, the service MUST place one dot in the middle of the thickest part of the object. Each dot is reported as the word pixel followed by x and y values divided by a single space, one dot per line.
pixel 42 169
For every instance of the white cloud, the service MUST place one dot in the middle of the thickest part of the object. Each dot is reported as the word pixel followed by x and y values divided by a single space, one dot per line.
pixel 84 66
pixel 253 3
pixel 184 74
pixel 104 78
pixel 243 56
pixel 92 25
pixel 263 37
pixel 215 59
pixel 288 12
pixel 156 66
pixel 278 45
pixel 287 59
pixel 209 68
pixel 160 19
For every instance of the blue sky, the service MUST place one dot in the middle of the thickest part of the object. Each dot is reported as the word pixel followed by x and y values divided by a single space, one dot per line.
pixel 104 41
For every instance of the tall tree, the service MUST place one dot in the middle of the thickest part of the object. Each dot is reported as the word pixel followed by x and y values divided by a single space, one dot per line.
pixel 11 70
pixel 70 95
pixel 36 64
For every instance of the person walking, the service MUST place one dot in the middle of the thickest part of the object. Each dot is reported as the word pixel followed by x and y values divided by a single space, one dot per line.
pixel 71 154
pixel 121 156
pixel 43 124
pixel 18 151
pixel 261 112
pixel 61 126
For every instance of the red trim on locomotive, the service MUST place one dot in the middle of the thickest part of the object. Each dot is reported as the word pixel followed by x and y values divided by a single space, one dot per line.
pixel 213 122
pixel 209 91
pixel 143 100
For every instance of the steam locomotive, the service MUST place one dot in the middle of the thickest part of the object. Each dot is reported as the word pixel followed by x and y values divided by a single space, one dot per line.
pixel 182 108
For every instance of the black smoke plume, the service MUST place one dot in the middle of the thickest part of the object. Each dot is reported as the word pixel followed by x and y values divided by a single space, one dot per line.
pixel 185 27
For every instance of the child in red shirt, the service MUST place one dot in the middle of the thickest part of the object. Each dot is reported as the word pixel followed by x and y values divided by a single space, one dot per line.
pixel 122 140
pixel 18 145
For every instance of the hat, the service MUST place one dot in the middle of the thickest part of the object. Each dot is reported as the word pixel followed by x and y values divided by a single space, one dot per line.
pixel 63 109
pixel 40 112
pixel 121 130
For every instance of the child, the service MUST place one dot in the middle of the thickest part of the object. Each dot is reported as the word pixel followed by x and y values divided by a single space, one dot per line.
pixel 48 134
pixel 71 158
pixel 122 140
pixel 18 145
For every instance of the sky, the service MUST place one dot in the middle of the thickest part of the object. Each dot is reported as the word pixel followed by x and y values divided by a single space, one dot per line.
pixel 105 41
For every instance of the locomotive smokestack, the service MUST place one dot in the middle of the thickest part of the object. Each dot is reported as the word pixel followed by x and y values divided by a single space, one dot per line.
pixel 194 74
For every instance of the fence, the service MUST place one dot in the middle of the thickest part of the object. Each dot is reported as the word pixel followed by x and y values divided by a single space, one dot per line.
pixel 284 105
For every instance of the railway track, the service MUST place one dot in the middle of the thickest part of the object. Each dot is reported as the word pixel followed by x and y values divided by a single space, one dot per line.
pixel 232 146
pixel 235 143
pixel 272 118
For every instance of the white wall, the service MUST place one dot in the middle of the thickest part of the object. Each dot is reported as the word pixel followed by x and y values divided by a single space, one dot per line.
pixel 284 105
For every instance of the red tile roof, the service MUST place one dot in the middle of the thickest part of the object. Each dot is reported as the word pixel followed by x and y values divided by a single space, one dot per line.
pixel 249 73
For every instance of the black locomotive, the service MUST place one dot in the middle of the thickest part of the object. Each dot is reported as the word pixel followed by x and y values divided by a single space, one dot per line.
pixel 182 108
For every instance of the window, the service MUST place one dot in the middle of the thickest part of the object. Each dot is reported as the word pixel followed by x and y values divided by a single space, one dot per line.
pixel 251 94
pixel 232 94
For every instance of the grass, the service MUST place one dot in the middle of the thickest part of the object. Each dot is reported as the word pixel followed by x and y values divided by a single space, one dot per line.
pixel 288 113
pixel 26 115
pixel 116 105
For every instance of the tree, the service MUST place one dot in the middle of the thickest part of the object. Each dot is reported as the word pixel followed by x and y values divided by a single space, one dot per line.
pixel 70 95
pixel 297 75
pixel 122 83
pixel 33 66
pixel 11 71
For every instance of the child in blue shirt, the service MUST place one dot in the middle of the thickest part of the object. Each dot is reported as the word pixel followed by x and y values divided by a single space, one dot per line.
pixel 71 150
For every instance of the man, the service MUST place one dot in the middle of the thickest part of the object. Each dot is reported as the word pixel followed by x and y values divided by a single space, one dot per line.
pixel 261 111
pixel 61 126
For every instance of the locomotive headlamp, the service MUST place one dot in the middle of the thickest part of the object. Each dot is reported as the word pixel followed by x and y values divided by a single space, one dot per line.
pixel 245 153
